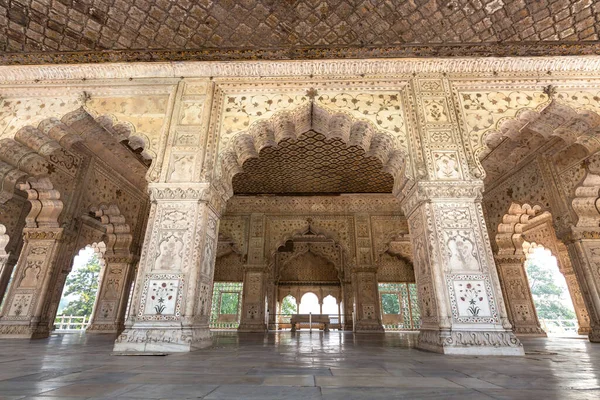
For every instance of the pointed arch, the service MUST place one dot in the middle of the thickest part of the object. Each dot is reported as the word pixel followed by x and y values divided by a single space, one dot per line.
pixel 293 124
pixel 578 130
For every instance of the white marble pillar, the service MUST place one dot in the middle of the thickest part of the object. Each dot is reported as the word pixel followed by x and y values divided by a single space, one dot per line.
pixel 172 300
pixel 584 250
pixel 113 294
pixel 253 299
pixel 461 303
pixel 366 295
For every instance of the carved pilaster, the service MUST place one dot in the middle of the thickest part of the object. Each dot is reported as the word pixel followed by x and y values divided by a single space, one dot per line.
pixel 519 302
pixel 253 299
pixel 113 293
pixel 461 302
pixel 366 295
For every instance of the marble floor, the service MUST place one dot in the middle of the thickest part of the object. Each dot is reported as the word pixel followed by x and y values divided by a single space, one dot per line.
pixel 307 366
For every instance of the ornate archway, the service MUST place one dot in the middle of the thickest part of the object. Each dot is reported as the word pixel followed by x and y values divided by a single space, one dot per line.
pixel 523 224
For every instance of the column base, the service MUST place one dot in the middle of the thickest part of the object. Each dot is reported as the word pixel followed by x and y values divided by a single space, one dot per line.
pixel 104 328
pixel 530 331
pixel 252 328
pixel 475 343
pixel 368 326
pixel 594 336
pixel 584 331
pixel 22 331
pixel 162 339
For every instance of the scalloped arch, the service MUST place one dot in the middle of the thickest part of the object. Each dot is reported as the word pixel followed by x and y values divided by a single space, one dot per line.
pixel 332 124
pixel 290 235
pixel 518 218
pixel 316 252
pixel 118 232
pixel 554 120
pixel 125 131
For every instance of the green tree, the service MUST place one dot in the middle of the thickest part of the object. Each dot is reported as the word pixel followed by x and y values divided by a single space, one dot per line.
pixel 229 303
pixel 288 306
pixel 390 303
pixel 547 294
pixel 83 282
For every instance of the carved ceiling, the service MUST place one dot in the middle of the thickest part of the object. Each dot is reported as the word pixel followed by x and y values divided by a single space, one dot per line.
pixel 71 31
pixel 312 164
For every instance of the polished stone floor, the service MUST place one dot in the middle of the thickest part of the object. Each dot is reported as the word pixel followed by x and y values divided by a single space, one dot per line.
pixel 296 366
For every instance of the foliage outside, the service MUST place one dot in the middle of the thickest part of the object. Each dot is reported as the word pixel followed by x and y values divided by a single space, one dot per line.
pixel 547 295
pixel 83 283
pixel 390 302
pixel 229 303
pixel 288 306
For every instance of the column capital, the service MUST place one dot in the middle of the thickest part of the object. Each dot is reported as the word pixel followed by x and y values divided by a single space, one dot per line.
pixel 255 268
pixel 509 258
pixel 435 191
pixel 204 192
pixel 365 268
pixel 42 233
pixel 581 233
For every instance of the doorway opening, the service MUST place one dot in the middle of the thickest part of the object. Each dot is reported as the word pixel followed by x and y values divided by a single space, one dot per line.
pixel 550 292
pixel 80 292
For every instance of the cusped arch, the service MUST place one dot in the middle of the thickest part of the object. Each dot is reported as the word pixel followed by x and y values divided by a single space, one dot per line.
pixel 118 232
pixel 514 223
pixel 332 124
pixel 303 250
pixel 578 129
pixel 125 132
pixel 307 230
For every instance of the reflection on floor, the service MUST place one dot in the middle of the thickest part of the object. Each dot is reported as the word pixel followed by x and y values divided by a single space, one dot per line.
pixel 296 366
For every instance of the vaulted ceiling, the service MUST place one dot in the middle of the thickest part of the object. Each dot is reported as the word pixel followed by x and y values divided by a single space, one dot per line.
pixel 71 31
pixel 312 164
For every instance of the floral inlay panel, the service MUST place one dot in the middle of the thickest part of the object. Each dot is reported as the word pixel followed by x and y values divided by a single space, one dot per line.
pixel 161 297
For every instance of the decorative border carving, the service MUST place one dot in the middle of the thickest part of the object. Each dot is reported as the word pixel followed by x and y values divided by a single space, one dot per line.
pixel 134 69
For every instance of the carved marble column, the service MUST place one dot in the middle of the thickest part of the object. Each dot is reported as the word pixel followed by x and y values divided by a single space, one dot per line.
pixel 173 295
pixel 22 313
pixel 462 308
pixel 584 251
pixel 519 302
pixel 113 293
pixel 583 245
pixel 255 279
pixel 566 268
pixel 583 318
pixel 7 265
pixel 253 299
pixel 366 295
pixel 348 299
